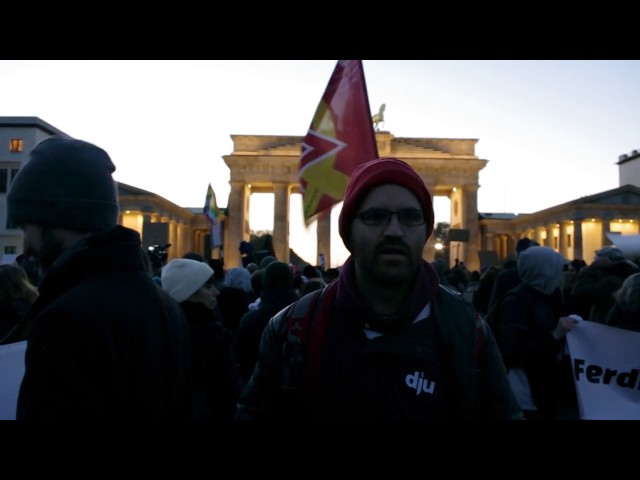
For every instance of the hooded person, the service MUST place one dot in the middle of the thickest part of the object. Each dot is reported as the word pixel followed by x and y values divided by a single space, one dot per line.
pixel 380 332
pixel 105 342
pixel 532 326
pixel 215 383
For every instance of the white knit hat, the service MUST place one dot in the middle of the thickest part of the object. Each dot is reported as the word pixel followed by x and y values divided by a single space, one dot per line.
pixel 182 277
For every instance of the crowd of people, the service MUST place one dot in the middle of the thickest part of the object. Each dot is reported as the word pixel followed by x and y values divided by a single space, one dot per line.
pixel 388 335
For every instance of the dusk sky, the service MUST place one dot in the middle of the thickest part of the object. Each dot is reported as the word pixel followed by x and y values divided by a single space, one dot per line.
pixel 552 131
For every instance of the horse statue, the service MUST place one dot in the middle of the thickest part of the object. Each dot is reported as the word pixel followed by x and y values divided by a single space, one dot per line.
pixel 378 118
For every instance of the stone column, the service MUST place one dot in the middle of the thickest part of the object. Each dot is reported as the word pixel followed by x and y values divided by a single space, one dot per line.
pixel 323 235
pixel 497 246
pixel 198 240
pixel 485 242
pixel 548 242
pixel 236 231
pixel 537 235
pixel 182 244
pixel 470 222
pixel 282 194
pixel 562 241
pixel 173 251
pixel 577 240
pixel 511 245
pixel 504 246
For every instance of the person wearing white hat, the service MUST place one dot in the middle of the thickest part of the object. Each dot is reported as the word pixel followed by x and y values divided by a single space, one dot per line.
pixel 215 387
pixel 183 278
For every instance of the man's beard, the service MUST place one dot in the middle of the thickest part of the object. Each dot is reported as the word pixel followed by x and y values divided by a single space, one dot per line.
pixel 384 276
pixel 50 249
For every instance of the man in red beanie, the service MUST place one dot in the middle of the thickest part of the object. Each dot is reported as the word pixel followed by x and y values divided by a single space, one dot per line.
pixel 394 344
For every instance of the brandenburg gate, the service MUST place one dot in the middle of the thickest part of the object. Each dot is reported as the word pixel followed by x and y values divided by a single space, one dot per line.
pixel 269 164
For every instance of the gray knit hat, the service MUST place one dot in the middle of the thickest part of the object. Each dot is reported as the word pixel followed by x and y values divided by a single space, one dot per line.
pixel 65 183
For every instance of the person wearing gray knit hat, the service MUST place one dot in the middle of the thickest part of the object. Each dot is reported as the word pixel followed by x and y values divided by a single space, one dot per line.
pixel 102 326
pixel 65 183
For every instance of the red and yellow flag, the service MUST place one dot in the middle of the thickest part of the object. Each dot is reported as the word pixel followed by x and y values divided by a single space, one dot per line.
pixel 340 138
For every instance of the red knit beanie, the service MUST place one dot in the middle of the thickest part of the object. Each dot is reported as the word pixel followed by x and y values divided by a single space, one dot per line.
pixel 380 172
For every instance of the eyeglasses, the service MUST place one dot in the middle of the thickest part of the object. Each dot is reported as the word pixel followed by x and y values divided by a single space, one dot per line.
pixel 379 217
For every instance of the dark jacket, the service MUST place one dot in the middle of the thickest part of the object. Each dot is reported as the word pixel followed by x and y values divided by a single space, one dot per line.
pixel 505 281
pixel 106 342
pixel 620 318
pixel 216 386
pixel 253 323
pixel 526 318
pixel 596 283
pixel 233 303
pixel 379 379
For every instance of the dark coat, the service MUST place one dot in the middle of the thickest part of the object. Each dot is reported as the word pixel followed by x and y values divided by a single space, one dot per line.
pixel 505 281
pixel 525 319
pixel 233 303
pixel 106 342
pixel 371 378
pixel 596 283
pixel 215 380
pixel 253 323
pixel 620 318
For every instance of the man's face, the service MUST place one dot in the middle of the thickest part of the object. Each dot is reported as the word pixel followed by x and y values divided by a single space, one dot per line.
pixel 43 244
pixel 388 254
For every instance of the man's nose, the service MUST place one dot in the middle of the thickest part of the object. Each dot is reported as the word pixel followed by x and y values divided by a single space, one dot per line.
pixel 394 227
